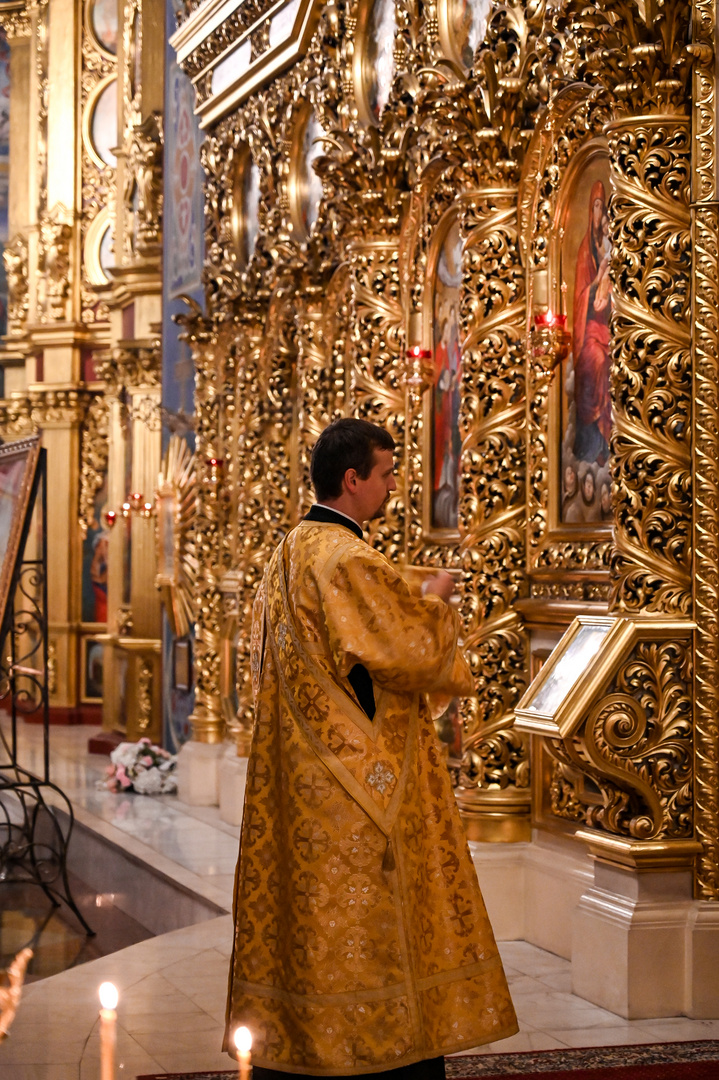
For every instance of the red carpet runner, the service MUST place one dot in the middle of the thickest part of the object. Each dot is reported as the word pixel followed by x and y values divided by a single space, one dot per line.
pixel 664 1061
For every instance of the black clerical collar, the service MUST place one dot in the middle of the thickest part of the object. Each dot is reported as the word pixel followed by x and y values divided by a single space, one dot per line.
pixel 333 517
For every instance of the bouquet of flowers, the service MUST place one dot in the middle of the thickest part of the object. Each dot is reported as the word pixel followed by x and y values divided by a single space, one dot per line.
pixel 141 767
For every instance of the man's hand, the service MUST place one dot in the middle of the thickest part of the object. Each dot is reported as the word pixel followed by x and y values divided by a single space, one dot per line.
pixel 441 584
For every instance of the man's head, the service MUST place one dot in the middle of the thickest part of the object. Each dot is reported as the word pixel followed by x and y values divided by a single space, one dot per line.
pixel 588 487
pixel 570 480
pixel 352 467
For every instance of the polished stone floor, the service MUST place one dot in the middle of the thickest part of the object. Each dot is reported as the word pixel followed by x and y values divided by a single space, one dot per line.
pixel 172 987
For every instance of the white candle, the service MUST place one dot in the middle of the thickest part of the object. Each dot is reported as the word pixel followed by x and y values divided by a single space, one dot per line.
pixel 243 1042
pixel 108 1030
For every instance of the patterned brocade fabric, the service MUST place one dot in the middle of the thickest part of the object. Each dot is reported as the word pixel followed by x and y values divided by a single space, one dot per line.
pixel 361 938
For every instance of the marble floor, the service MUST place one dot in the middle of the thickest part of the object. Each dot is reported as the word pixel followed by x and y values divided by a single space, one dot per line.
pixel 172 986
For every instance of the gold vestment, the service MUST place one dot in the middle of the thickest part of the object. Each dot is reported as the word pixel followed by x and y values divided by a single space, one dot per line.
pixel 361 938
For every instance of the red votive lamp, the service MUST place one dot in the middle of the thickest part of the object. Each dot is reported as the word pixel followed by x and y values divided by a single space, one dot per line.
pixel 550 320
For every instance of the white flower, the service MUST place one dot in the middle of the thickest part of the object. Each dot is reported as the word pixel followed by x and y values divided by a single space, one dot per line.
pixel 149 782
pixel 143 765
pixel 125 754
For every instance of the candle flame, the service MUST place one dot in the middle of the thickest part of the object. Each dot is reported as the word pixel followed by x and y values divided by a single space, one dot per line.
pixel 243 1040
pixel 108 995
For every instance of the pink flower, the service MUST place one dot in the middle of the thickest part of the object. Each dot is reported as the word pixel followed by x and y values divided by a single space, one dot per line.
pixel 122 777
pixel 146 761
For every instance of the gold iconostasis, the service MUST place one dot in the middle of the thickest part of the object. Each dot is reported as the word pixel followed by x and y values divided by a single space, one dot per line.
pixel 491 227
pixel 483 226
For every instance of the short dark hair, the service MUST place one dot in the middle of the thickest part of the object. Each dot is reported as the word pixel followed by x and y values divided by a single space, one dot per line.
pixel 346 444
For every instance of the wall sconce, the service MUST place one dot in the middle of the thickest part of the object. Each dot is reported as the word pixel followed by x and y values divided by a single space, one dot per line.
pixel 550 341
pixel 418 367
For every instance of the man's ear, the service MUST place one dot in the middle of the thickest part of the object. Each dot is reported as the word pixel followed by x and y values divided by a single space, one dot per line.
pixel 350 480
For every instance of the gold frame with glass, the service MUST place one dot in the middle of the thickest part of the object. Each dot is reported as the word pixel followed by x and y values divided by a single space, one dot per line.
pixel 432 532
pixel 238 215
pixel 297 188
pixel 363 71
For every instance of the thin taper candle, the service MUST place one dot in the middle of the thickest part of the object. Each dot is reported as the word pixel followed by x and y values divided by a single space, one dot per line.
pixel 108 1030
pixel 243 1042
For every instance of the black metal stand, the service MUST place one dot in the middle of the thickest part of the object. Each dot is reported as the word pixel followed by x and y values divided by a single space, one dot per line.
pixel 36 817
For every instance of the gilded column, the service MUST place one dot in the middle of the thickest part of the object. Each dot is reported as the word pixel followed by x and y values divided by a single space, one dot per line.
pixel 132 659
pixel 311 368
pixel 58 412
pixel 207 720
pixel 494 793
pixel 321 378
pixel 485 129
pixel 652 368
pixel 377 389
pixel 250 508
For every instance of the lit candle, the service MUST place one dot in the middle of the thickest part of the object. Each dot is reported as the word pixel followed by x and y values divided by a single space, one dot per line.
pixel 108 1030
pixel 243 1042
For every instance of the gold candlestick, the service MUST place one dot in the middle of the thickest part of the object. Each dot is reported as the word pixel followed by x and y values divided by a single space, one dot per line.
pixel 108 1030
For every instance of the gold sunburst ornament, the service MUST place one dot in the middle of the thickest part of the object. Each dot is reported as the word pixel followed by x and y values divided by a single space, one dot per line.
pixel 176 502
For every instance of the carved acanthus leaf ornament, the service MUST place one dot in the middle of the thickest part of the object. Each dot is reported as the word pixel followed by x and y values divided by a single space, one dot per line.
pixel 635 746
pixel 94 450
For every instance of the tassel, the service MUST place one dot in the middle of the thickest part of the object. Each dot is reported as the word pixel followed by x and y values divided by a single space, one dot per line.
pixel 388 863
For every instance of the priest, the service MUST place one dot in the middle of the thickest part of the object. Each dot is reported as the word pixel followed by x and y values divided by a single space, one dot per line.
pixel 361 945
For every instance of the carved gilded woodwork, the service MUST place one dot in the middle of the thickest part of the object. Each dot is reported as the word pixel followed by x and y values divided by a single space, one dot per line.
pixel 251 553
pixel 705 349
pixel 53 405
pixel 652 369
pixel 130 364
pixel 143 184
pixel 16 418
pixel 484 125
pixel 377 393
pixel 176 508
pixel 56 232
pixel 425 228
pixel 635 747
pixel 144 696
pixel 16 20
pixel 98 77
pixel 322 379
pixel 312 323
pixel 43 91
pixel 210 519
pixel 94 450
pixel 562 563
pixel 492 497
pixel 15 258
pixel 142 143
